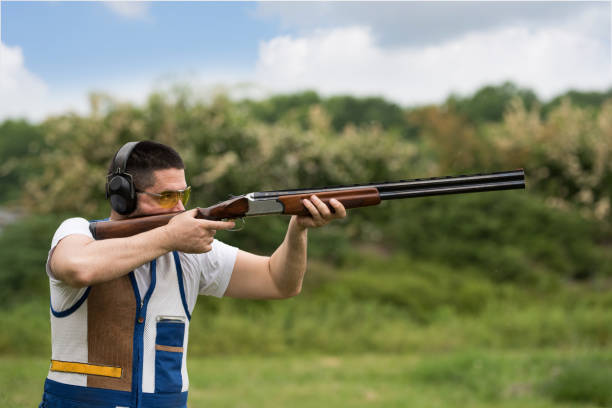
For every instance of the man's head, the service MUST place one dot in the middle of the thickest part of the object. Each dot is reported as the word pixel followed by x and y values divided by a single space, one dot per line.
pixel 139 173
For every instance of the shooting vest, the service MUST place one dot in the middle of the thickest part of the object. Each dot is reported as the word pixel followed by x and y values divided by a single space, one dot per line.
pixel 116 347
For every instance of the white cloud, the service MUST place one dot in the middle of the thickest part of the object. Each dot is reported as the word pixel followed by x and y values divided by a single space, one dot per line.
pixel 129 9
pixel 425 22
pixel 21 92
pixel 550 60
pixel 25 95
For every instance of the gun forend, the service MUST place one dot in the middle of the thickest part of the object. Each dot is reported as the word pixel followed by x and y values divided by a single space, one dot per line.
pixel 362 197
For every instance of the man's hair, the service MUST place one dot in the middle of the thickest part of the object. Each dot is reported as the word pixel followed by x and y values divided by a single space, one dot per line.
pixel 147 157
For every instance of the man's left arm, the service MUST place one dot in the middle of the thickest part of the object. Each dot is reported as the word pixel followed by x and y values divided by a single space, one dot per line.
pixel 280 275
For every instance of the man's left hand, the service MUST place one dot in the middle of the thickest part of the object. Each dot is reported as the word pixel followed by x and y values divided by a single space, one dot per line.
pixel 320 214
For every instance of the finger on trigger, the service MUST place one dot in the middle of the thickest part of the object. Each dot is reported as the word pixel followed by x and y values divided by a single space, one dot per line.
pixel 224 225
pixel 217 225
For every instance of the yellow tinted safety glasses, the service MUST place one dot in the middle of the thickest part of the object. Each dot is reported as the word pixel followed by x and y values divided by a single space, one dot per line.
pixel 168 199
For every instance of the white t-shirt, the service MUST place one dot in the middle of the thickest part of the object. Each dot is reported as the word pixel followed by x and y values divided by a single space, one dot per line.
pixel 204 274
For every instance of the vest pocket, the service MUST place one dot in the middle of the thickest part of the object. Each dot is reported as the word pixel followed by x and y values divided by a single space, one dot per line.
pixel 169 353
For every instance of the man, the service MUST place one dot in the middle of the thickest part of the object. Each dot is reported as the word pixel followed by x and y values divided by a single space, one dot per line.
pixel 120 308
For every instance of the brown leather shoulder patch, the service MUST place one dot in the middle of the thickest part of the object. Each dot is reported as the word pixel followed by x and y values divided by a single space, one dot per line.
pixel 111 312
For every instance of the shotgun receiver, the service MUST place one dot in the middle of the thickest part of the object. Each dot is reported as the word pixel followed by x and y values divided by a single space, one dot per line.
pixel 289 202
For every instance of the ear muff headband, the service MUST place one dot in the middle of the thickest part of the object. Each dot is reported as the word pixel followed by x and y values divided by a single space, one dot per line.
pixel 120 188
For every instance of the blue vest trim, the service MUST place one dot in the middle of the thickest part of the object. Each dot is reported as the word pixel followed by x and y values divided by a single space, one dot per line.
pixel 137 356
pixel 87 395
pixel 58 395
pixel 178 400
pixel 179 271
pixel 153 270
pixel 74 307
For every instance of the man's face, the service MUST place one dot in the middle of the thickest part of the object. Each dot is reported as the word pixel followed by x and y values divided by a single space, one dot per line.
pixel 165 180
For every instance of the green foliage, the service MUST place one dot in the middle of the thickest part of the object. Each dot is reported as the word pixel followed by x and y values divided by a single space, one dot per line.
pixel 291 107
pixel 349 110
pixel 579 98
pixel 520 239
pixel 489 103
pixel 20 145
pixel 26 328
pixel 422 291
pixel 568 155
pixel 343 111
pixel 24 246
pixel 471 372
pixel 586 381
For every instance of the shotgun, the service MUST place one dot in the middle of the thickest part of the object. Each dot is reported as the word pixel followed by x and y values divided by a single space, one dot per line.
pixel 289 202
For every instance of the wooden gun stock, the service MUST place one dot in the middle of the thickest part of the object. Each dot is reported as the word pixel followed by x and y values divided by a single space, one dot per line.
pixel 129 226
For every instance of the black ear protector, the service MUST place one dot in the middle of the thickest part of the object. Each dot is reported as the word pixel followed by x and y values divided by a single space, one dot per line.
pixel 120 188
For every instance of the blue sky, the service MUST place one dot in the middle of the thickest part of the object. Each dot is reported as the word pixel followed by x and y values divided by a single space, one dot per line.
pixel 53 53
pixel 63 42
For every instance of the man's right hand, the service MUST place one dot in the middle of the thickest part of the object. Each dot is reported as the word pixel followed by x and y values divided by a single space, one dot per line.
pixel 188 234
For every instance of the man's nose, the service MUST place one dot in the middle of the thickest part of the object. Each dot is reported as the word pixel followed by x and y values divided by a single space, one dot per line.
pixel 179 206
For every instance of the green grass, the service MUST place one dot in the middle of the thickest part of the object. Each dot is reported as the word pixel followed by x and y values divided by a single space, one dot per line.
pixel 393 305
pixel 583 381
pixel 476 378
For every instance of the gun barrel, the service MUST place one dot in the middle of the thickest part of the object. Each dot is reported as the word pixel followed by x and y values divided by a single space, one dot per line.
pixel 453 189
pixel 423 187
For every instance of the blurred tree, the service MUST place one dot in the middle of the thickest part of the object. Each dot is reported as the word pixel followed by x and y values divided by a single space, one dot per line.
pixel 24 247
pixel 593 100
pixel 343 111
pixel 291 106
pixel 449 141
pixel 568 155
pixel 349 110
pixel 20 145
pixel 489 103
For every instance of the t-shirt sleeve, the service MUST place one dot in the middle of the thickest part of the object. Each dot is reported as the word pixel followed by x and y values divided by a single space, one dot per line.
pixel 70 226
pixel 64 296
pixel 216 268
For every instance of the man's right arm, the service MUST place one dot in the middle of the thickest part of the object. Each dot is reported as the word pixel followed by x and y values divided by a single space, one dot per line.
pixel 81 261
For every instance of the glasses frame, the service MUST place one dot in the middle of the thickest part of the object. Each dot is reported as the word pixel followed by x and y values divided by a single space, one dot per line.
pixel 182 195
